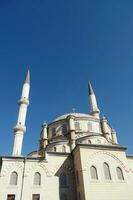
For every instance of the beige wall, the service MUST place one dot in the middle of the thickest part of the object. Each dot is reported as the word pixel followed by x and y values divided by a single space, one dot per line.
pixel 101 189
pixel 84 157
pixel 49 171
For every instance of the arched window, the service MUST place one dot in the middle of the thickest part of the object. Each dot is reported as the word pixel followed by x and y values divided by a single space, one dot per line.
pixel 89 126
pixel 13 178
pixel 89 141
pixel 54 149
pixel 64 128
pixel 53 131
pixel 63 148
pixel 37 178
pixel 119 173
pixel 93 172
pixel 99 141
pixel 106 169
pixel 63 196
pixel 63 179
pixel 77 126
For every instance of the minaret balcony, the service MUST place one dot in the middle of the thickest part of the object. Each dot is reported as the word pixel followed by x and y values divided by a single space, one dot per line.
pixel 24 100
pixel 19 128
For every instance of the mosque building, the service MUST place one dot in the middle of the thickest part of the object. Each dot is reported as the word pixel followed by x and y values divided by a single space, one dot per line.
pixel 79 158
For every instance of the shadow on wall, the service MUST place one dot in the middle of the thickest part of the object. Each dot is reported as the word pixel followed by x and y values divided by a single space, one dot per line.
pixel 66 177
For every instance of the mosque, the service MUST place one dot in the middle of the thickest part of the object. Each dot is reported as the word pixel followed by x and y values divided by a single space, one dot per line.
pixel 79 158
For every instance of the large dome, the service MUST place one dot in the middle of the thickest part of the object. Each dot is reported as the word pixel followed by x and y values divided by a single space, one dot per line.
pixel 74 114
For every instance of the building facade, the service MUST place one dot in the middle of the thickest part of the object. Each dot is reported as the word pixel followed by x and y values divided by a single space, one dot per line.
pixel 79 158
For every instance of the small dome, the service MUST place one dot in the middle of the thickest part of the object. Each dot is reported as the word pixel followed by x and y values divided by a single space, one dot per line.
pixel 74 114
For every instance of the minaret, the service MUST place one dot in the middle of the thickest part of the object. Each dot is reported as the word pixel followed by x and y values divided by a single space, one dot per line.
pixel 20 128
pixel 94 108
pixel 44 136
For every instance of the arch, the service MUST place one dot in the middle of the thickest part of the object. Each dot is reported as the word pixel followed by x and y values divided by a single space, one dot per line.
pixel 37 178
pixel 13 178
pixel 53 131
pixel 63 196
pixel 17 166
pixel 89 126
pixel 101 153
pixel 119 173
pixel 64 148
pixel 93 172
pixel 63 180
pixel 64 129
pixel 99 141
pixel 55 149
pixel 89 141
pixel 106 170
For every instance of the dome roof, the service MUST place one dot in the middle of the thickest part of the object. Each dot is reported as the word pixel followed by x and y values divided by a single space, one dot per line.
pixel 74 114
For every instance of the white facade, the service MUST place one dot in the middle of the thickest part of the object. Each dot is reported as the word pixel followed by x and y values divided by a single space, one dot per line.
pixel 79 158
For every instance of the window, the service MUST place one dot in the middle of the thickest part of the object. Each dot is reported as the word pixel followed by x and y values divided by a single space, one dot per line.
pixel 64 128
pixel 13 178
pixel 89 126
pixel 63 180
pixel 99 141
pixel 64 148
pixel 106 169
pixel 89 141
pixel 53 131
pixel 93 172
pixel 63 196
pixel 77 126
pixel 37 178
pixel 77 177
pixel 54 149
pixel 10 197
pixel 119 173
pixel 36 197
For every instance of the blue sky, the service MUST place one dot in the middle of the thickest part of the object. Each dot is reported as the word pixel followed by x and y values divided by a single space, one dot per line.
pixel 66 43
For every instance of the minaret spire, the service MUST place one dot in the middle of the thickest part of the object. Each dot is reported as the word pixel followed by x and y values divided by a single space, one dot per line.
pixel 90 88
pixel 94 107
pixel 27 80
pixel 20 128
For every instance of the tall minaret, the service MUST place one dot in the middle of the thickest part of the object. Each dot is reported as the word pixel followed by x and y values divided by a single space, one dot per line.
pixel 94 108
pixel 20 128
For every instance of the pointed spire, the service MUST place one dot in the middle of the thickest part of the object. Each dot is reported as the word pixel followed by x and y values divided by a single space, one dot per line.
pixel 94 108
pixel 90 88
pixel 27 80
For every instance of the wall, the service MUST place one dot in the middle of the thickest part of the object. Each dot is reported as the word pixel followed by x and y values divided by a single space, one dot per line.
pixel 49 170
pixel 102 189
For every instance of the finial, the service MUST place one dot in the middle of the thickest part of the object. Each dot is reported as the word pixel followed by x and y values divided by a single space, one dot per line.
pixel 90 88
pixel 27 80
pixel 44 124
pixel 73 110
pixel 103 117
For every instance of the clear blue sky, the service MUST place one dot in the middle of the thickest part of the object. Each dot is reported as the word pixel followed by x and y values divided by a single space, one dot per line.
pixel 66 43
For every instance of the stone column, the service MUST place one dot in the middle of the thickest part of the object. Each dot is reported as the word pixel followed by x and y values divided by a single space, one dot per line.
pixel 72 131
pixel 105 129
pixel 114 136
pixel 44 136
